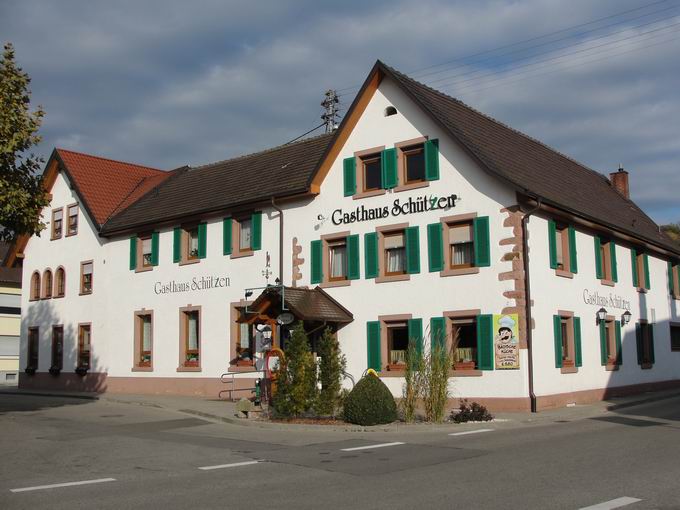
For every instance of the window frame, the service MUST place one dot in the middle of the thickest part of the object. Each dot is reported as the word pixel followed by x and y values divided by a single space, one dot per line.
pixel 447 222
pixel 359 157
pixel 676 326
pixel 57 280
pixel 327 241
pixel 188 235
pixel 84 326
pixel 36 281
pixel 568 359
pixel 68 219
pixel 47 284
pixel 184 364
pixel 403 183
pixel 235 363
pixel 640 266
pixel 138 365
pixel 141 267
pixel 675 278
pixel 57 357
pixel 454 319
pixel 562 241
pixel 387 321
pixel 53 234
pixel 382 232
pixel 606 257
pixel 83 291
pixel 236 251
pixel 33 348
pixel 646 334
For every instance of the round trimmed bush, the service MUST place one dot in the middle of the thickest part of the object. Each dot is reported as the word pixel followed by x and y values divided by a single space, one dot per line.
pixel 370 403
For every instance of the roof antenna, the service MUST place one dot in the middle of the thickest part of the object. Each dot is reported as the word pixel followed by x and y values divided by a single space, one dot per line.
pixel 330 103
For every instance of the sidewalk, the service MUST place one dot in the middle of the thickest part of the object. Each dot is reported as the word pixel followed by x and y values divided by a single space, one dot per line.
pixel 226 412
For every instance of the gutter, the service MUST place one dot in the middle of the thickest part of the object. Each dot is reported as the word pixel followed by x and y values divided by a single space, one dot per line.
pixel 280 211
pixel 527 305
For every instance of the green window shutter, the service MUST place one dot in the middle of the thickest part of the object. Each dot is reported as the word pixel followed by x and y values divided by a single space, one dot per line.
pixel 599 268
pixel 482 244
pixel 552 243
pixel 633 260
pixel 651 343
pixel 670 277
pixel 573 256
pixel 373 343
pixel 645 264
pixel 317 262
pixel 350 176
pixel 177 244
pixel 485 342
pixel 612 256
pixel 353 257
pixel 435 247
pixel 557 328
pixel 388 166
pixel 603 343
pixel 371 255
pixel 154 248
pixel 432 160
pixel 438 331
pixel 202 240
pixel 619 352
pixel 638 342
pixel 256 239
pixel 226 236
pixel 412 250
pixel 133 253
pixel 415 333
pixel 577 342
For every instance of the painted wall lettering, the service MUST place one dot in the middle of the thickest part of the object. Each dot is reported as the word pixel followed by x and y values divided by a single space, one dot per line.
pixel 411 206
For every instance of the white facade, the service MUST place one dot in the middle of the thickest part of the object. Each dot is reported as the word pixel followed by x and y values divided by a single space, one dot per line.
pixel 119 292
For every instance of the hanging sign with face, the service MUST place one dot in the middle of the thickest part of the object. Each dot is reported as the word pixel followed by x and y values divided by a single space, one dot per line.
pixel 506 341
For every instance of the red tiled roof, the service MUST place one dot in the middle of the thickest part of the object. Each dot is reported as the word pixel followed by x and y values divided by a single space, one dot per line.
pixel 107 186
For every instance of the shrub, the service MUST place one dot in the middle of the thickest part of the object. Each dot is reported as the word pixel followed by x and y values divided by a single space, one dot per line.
pixel 413 381
pixel 436 382
pixel 331 366
pixel 370 403
pixel 471 412
pixel 296 377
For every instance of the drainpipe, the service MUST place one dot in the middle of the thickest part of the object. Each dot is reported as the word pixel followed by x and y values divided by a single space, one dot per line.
pixel 527 292
pixel 280 211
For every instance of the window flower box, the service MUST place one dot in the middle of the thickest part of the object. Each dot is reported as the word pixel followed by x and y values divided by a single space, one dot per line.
pixel 464 365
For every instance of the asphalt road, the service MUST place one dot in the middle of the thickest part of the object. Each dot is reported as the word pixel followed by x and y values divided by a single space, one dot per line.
pixel 118 456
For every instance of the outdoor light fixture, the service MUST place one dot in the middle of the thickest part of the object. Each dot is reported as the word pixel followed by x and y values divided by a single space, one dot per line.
pixel 267 332
pixel 625 318
pixel 249 293
pixel 601 314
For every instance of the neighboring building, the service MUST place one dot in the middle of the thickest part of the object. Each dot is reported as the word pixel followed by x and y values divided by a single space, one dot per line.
pixel 10 318
pixel 412 220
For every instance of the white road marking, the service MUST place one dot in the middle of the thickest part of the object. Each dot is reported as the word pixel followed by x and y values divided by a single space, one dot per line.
pixel 67 484
pixel 478 431
pixel 614 503
pixel 235 464
pixel 371 447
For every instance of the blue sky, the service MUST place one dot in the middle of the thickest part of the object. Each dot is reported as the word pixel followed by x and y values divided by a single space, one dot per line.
pixel 168 83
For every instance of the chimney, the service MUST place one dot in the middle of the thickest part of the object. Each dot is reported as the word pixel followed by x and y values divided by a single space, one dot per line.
pixel 619 180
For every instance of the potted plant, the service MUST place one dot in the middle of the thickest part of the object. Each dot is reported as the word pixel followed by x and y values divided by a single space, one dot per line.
pixel 81 370
pixel 191 361
pixel 55 370
pixel 29 370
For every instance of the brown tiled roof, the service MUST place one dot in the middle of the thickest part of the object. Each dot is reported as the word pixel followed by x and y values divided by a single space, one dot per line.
pixel 278 172
pixel 308 304
pixel 105 185
pixel 531 166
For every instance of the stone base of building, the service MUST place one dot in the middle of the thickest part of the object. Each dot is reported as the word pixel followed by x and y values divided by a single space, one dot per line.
pixel 243 387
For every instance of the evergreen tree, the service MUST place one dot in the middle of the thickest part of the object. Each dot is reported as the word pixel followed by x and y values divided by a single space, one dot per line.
pixel 296 377
pixel 331 368
pixel 21 193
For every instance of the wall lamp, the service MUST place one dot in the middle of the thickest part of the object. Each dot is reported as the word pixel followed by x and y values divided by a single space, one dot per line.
pixel 267 332
pixel 625 318
pixel 601 315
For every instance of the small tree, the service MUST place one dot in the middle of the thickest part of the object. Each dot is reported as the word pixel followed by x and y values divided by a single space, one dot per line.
pixel 413 380
pixel 296 377
pixel 331 368
pixel 436 384
pixel 22 196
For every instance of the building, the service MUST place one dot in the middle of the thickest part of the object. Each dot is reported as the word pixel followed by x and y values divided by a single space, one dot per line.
pixel 419 217
pixel 10 319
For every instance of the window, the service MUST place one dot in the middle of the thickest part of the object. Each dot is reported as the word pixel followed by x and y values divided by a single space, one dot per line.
pixel 57 223
pixel 605 260
pixel 57 348
pixel 371 168
pixel 47 284
pixel 337 260
pixel 567 329
pixel 464 343
pixel 192 243
pixel 190 338
pixel 388 341
pixel 72 220
pixel 189 243
pixel 245 234
pixel 645 344
pixel 242 341
pixel 143 339
pixel 414 163
pixel 84 346
pixel 562 247
pixel 640 269
pixel 461 246
pixel 397 345
pixel 60 282
pixel 35 286
pixel 86 277
pixel 395 253
pixel 673 279
pixel 610 343
pixel 242 235
pixel 33 349
pixel 146 251
pixel 675 337
pixel 392 253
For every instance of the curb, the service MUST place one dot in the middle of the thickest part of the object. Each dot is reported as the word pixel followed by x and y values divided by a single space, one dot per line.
pixel 652 398
pixel 49 394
